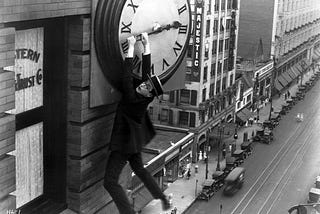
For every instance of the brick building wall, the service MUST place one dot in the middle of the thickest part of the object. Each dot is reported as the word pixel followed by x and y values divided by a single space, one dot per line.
pixel 88 130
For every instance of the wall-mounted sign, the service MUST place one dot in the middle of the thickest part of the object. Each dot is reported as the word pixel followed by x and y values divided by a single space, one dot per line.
pixel 197 40
pixel 28 70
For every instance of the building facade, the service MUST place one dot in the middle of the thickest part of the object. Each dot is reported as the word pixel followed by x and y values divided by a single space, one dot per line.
pixel 289 31
pixel 208 95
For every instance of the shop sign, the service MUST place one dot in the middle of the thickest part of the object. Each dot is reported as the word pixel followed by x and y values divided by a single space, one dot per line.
pixel 28 70
pixel 197 40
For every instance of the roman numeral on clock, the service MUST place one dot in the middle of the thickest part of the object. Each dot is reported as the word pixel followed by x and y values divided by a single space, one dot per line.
pixel 134 6
pixel 183 29
pixel 182 9
pixel 164 64
pixel 177 48
pixel 125 46
pixel 126 28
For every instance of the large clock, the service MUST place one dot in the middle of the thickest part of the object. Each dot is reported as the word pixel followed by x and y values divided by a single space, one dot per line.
pixel 168 23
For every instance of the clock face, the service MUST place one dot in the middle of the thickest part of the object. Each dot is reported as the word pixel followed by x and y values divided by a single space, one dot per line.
pixel 168 47
pixel 116 20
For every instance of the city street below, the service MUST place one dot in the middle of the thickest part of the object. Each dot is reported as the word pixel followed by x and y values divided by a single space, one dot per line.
pixel 280 175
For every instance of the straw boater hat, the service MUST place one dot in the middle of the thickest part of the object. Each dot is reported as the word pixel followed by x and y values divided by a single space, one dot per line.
pixel 156 84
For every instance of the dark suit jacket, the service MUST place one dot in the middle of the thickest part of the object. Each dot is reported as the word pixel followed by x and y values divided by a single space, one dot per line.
pixel 132 127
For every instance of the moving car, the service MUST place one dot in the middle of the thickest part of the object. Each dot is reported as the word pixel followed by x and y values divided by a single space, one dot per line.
pixel 234 181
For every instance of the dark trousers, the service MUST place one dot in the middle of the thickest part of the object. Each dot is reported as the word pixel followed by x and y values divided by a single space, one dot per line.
pixel 115 164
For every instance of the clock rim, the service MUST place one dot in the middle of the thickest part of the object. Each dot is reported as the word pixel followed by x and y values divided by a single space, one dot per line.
pixel 107 48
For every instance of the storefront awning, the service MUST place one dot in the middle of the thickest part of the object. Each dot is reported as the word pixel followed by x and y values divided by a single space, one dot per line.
pixel 299 68
pixel 277 85
pixel 292 74
pixel 244 114
pixel 295 70
pixel 286 76
pixel 282 81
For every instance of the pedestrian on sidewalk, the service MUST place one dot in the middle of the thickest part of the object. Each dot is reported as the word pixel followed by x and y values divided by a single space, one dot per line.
pixel 224 153
pixel 133 129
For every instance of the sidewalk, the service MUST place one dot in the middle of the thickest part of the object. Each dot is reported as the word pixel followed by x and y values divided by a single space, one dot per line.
pixel 185 191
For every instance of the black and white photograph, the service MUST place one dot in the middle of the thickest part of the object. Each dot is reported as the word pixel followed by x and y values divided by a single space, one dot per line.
pixel 159 106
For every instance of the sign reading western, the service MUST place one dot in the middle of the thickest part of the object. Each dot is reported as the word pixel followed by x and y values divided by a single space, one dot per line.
pixel 28 95
pixel 28 70
pixel 197 39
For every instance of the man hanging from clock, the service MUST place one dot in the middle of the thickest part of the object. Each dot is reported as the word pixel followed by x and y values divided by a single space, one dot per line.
pixel 133 129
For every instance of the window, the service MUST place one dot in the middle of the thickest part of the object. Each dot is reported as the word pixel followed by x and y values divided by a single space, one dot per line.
pixel 215 26
pixel 231 80
pixel 187 118
pixel 164 114
pixel 214 47
pixel 208 28
pixel 219 68
pixel 224 83
pixel 205 74
pixel 223 4
pixel 204 92
pixel 183 118
pixel 185 96
pixel 225 65
pixel 213 70
pixel 229 4
pixel 188 97
pixel 171 96
pixel 216 5
pixel 249 98
pixel 220 45
pixel 228 24
pixel 206 51
pixel 226 44
pixel 218 86
pixel 211 90
pixel 268 81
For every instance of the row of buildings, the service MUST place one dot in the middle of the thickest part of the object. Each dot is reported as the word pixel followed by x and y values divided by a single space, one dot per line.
pixel 54 140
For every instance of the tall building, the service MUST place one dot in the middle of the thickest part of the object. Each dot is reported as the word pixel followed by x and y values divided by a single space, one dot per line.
pixel 208 95
pixel 283 29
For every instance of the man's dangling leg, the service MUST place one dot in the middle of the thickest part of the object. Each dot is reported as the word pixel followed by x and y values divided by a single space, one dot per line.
pixel 115 164
pixel 136 164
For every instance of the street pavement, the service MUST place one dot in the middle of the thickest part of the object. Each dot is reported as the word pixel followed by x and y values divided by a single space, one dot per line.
pixel 184 191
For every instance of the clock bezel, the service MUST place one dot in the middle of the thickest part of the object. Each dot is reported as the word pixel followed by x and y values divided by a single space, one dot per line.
pixel 106 41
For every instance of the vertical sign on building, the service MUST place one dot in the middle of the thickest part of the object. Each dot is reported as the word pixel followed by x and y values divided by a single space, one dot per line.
pixel 197 40
pixel 28 95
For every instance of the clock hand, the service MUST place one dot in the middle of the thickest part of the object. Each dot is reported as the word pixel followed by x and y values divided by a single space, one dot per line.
pixel 159 29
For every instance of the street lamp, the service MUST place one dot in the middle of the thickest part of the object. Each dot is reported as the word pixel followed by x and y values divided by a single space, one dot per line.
pixel 220 130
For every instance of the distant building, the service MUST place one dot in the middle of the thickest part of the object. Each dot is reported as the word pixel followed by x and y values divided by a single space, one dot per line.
pixel 289 31
pixel 208 96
